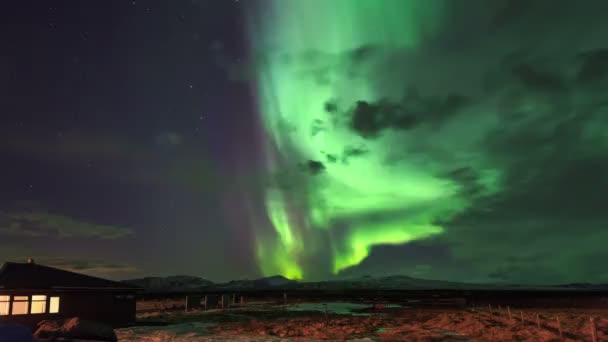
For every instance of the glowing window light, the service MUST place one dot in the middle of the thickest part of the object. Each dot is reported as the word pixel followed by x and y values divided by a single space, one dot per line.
pixel 4 304
pixel 38 304
pixel 21 305
pixel 54 307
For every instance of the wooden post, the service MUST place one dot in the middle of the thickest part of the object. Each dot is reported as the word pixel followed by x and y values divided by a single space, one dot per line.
pixel 234 298
pixel 222 301
pixel 285 297
pixel 509 312
pixel 242 301
pixel 538 321
pixel 186 304
pixel 593 329
pixel 205 303
pixel 559 327
pixel 521 313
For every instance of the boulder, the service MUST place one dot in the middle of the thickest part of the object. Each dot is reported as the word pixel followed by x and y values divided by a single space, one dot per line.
pixel 75 328
pixel 15 333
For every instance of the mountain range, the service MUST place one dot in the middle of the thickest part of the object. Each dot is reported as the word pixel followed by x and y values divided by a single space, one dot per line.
pixel 395 282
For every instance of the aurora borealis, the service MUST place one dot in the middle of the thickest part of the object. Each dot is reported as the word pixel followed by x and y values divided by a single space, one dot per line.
pixel 309 60
pixel 315 139
pixel 387 164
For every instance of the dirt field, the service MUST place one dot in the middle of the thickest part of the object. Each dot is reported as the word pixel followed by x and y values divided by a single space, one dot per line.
pixel 356 322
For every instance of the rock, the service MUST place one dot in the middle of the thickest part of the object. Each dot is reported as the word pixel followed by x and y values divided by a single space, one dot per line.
pixel 76 328
pixel 15 333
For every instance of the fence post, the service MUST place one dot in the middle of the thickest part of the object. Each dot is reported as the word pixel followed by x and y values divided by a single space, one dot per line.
pixel 593 329
pixel 285 297
pixel 521 313
pixel 559 327
pixel 242 300
pixel 509 312
pixel 538 320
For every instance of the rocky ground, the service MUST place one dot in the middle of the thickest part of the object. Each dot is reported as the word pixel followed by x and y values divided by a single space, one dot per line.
pixel 346 322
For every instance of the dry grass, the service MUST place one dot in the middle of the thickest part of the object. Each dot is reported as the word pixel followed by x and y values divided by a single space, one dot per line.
pixel 398 324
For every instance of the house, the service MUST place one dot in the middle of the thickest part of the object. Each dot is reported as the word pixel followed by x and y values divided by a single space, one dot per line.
pixel 30 293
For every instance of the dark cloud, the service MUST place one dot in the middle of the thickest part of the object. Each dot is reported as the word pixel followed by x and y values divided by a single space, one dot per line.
pixel 353 152
pixel 468 178
pixel 594 66
pixel 421 259
pixel 45 224
pixel 537 79
pixel 330 107
pixel 370 119
pixel 86 266
pixel 331 158
pixel 317 127
pixel 363 53
pixel 314 167
pixel 510 12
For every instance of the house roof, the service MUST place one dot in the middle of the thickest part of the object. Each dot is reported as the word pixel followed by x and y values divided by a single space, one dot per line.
pixel 33 276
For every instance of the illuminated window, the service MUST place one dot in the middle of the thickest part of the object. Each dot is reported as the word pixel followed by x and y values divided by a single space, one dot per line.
pixel 21 305
pixel 38 304
pixel 54 307
pixel 4 303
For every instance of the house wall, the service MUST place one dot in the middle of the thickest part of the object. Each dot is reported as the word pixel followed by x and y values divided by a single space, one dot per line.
pixel 113 308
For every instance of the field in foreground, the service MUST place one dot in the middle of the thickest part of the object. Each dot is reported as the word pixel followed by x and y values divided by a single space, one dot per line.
pixel 359 322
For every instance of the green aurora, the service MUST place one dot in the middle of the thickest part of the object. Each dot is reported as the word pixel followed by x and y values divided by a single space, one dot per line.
pixel 359 152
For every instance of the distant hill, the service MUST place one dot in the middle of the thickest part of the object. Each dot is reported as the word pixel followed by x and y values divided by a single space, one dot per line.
pixel 396 282
pixel 585 286
pixel 190 283
pixel 261 283
pixel 172 283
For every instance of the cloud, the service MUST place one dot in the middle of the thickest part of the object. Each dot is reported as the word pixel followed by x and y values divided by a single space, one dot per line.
pixel 169 139
pixel 44 224
pixel 108 156
pixel 369 119
pixel 594 66
pixel 93 267
pixel 498 114
pixel 314 167
pixel 105 268
pixel 525 107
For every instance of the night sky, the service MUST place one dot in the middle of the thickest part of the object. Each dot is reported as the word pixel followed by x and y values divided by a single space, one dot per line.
pixel 231 139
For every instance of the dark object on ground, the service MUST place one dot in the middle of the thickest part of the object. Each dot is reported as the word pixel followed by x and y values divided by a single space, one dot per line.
pixel 15 333
pixel 75 328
